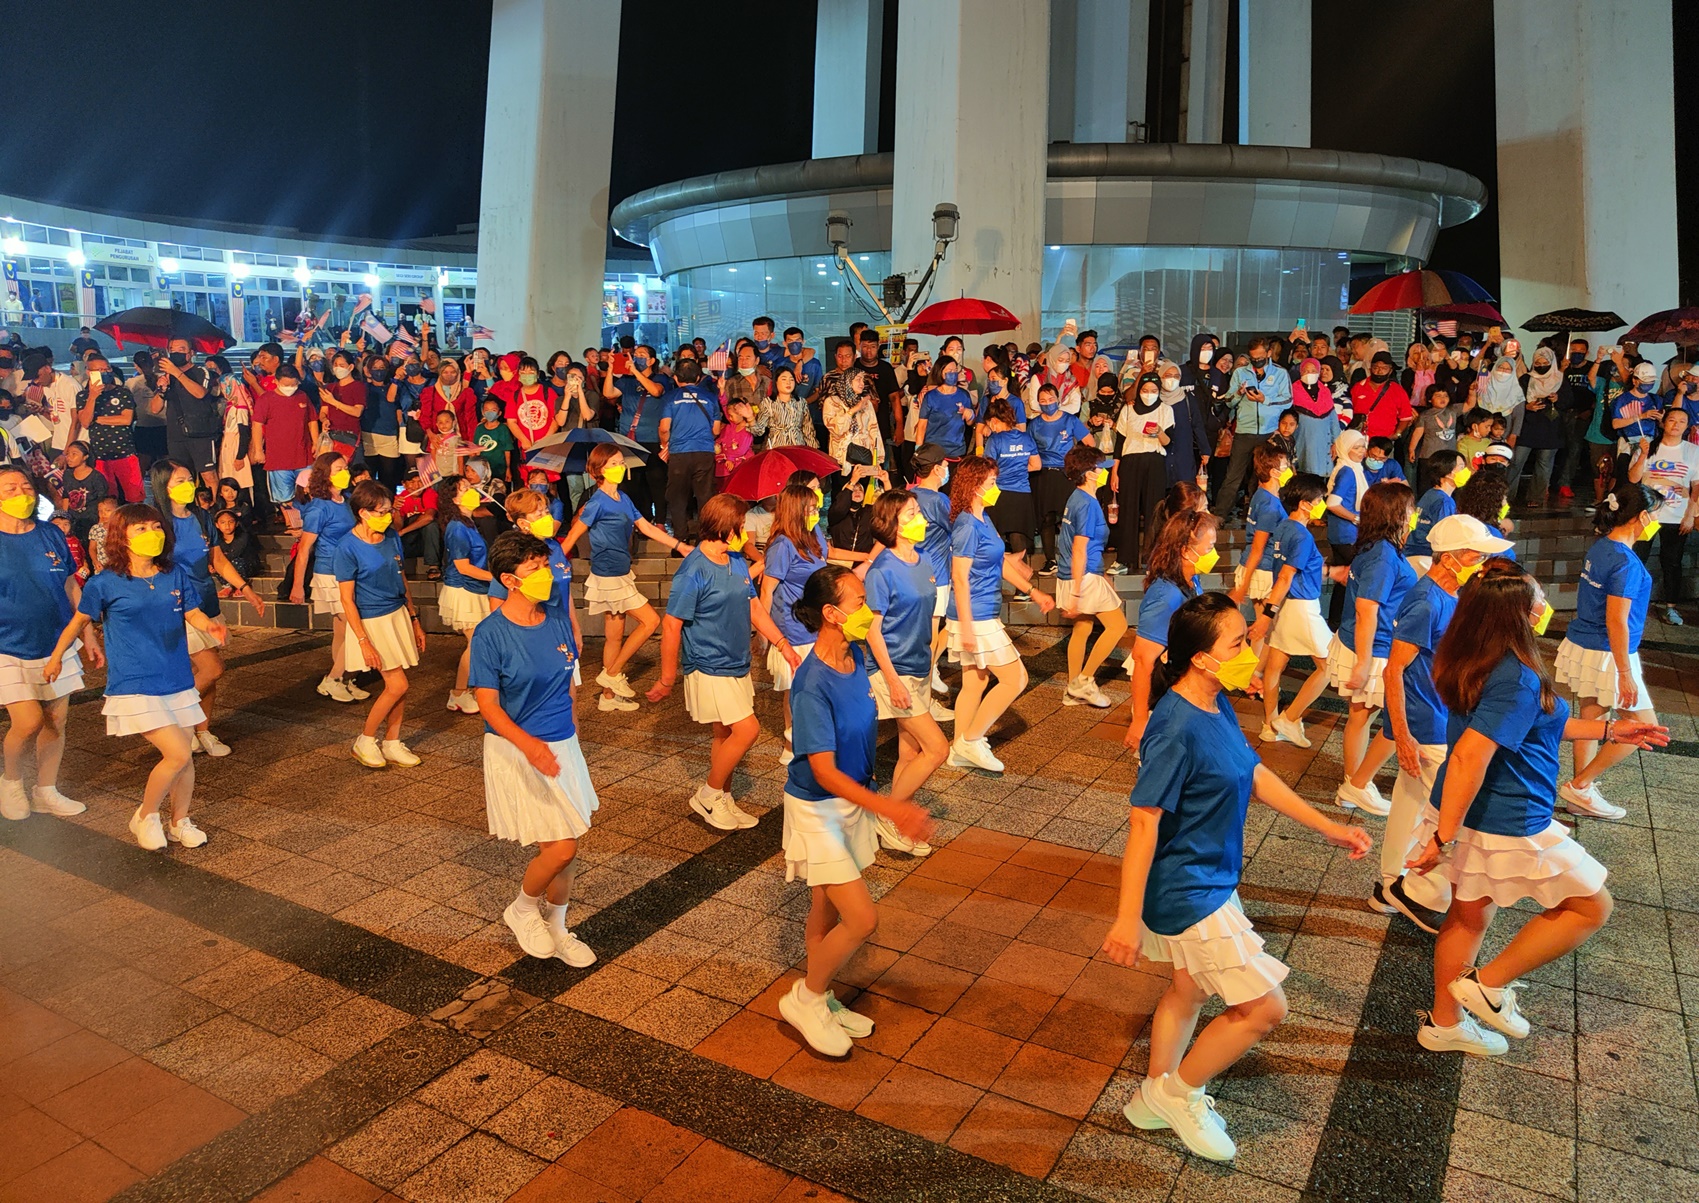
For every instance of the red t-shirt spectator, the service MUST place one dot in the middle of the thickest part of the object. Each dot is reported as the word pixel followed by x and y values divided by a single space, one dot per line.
pixel 533 409
pixel 409 507
pixel 345 427
pixel 1382 412
pixel 288 441
pixel 464 405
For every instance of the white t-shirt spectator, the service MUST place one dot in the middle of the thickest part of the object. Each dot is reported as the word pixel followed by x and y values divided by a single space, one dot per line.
pixel 60 398
pixel 1139 431
pixel 1670 472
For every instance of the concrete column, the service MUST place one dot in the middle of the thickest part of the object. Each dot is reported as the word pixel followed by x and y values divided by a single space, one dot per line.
pixel 1274 72
pixel 548 141
pixel 1586 170
pixel 1111 56
pixel 1206 71
pixel 848 41
pixel 972 91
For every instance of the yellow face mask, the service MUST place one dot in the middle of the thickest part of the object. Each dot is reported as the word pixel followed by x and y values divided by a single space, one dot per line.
pixel 1237 672
pixel 1652 529
pixel 340 478
pixel 1206 563
pixel 1101 478
pixel 819 498
pixel 1465 572
pixel 20 507
pixel 1503 510
pixel 468 499
pixel 613 473
pixel 1415 521
pixel 858 624
pixel 914 530
pixel 992 494
pixel 1286 474
pixel 1318 510
pixel 737 542
pixel 378 523
pixel 811 520
pixel 183 492
pixel 148 543
pixel 1544 620
pixel 1462 475
pixel 544 526
pixel 538 585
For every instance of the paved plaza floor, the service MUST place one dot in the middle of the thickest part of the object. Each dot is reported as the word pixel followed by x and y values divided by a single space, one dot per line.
pixel 323 1003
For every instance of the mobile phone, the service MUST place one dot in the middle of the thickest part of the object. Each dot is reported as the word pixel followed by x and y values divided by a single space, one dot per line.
pixel 1302 324
pixel 621 363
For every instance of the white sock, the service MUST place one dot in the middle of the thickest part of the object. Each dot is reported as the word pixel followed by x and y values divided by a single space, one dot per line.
pixel 1175 1086
pixel 528 902
pixel 804 994
pixel 557 916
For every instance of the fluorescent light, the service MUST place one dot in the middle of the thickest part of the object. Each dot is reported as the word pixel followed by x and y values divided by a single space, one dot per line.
pixel 12 246
pixel 168 265
pixel 302 275
pixel 76 258
pixel 370 279
pixel 733 270
pixel 240 271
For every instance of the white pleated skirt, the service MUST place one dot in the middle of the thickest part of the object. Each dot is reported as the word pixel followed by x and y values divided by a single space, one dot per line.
pixel 392 639
pixel 919 696
pixel 1592 676
pixel 1548 867
pixel 992 645
pixel 461 608
pixel 1341 660
pixel 827 843
pixel 529 808
pixel 1094 593
pixel 20 680
pixel 1222 952
pixel 612 594
pixel 198 640
pixel 780 668
pixel 136 713
pixel 327 594
pixel 1300 630
pixel 1262 582
pixel 719 699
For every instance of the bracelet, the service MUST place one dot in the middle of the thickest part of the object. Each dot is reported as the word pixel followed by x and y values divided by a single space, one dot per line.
pixel 1610 731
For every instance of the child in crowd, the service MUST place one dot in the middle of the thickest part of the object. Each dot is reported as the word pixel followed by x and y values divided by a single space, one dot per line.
pixel 97 534
pixel 495 440
pixel 1478 424
pixel 238 547
pixel 736 444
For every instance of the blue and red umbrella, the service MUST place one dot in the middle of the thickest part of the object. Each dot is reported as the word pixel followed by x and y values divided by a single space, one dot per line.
pixel 1423 290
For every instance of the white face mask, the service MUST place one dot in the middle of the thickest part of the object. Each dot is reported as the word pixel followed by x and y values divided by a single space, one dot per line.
pixel 1310 378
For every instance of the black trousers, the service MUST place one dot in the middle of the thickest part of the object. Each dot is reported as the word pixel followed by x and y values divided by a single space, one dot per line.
pixel 1143 481
pixel 1672 546
pixel 688 473
pixel 1239 478
pixel 647 485
pixel 1050 491
pixel 1341 555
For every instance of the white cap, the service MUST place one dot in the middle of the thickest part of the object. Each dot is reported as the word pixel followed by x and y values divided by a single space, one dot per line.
pixel 1460 532
pixel 1503 451
pixel 1645 371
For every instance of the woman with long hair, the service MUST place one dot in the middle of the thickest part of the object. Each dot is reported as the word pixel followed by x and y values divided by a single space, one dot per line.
pixel 1671 469
pixel 972 618
pixel 1140 475
pixel 1083 592
pixel 1599 659
pixel 382 619
pixel 1494 836
pixel 142 600
pixel 1179 898
pixel 1184 550
pixel 325 522
pixel 1346 485
pixel 464 599
pixel 1378 579
pixel 828 839
pixel 173 488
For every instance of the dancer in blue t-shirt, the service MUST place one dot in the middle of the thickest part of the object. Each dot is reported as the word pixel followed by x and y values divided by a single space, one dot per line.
pixel 1083 592
pixel 325 520
pixel 1184 550
pixel 387 637
pixel 1291 613
pixel 464 599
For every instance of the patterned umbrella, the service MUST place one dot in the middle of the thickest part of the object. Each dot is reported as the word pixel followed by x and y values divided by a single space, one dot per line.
pixel 1575 320
pixel 1680 326
pixel 1422 290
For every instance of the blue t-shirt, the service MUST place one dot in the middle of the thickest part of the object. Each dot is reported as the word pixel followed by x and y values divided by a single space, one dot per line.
pixel 790 570
pixel 1265 515
pixel 639 413
pixel 1294 546
pixel 1081 516
pixel 831 712
pixel 904 594
pixel 1196 768
pixel 329 520
pixel 1381 575
pixel 610 520
pixel 713 600
pixel 977 541
pixel 530 668
pixel 376 570
pixel 935 507
pixel 1610 570
pixel 1011 450
pixel 34 608
pixel 1339 531
pixel 1161 598
pixel 1519 789
pixel 943 417
pixel 147 651
pixel 461 541
pixel 1645 428
pixel 1421 620
pixel 1389 470
pixel 693 410
pixel 1436 503
pixel 192 552
pixel 559 566
pixel 1012 397
pixel 1056 438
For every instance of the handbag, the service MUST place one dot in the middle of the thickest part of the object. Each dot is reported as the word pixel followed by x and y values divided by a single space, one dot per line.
pixel 1359 421
pixel 856 454
pixel 412 436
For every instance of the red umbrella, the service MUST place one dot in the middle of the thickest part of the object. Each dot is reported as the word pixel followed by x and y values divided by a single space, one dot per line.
pixel 1666 326
pixel 964 315
pixel 155 327
pixel 1421 290
pixel 767 473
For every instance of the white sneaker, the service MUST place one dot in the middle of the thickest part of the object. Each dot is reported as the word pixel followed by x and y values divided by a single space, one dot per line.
pixel 743 817
pixel 1476 998
pixel 335 689
pixel 397 752
pixel 942 713
pixel 47 800
pixel 1466 1036
pixel 1097 698
pixel 616 682
pixel 972 754
pixel 367 752
pixel 14 802
pixel 604 702
pixel 984 745
pixel 1352 798
pixel 354 691
pixel 857 1025
pixel 148 830
pixel 209 743
pixel 1192 1116
pixel 183 831
pixel 1291 730
pixel 1589 802
pixel 1141 1116
pixel 711 805
pixel 813 1020
pixel 530 929
pixel 571 949
pixel 896 841
pixel 1267 735
pixel 463 702
pixel 938 685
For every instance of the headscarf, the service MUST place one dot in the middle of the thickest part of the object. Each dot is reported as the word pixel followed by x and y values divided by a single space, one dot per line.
pixel 506 390
pixel 1137 400
pixel 1501 392
pixel 1165 395
pixel 1206 384
pixel 1544 383
pixel 1347 442
pixel 1317 403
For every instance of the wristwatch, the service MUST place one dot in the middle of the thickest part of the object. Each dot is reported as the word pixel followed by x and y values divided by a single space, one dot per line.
pixel 1270 611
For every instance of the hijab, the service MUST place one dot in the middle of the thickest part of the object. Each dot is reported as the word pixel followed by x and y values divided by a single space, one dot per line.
pixel 1544 380
pixel 1347 442
pixel 1339 384
pixel 1137 400
pixel 1317 403
pixel 1501 392
pixel 1165 395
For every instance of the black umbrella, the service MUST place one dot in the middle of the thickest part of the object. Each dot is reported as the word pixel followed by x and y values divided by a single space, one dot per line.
pixel 152 327
pixel 1577 320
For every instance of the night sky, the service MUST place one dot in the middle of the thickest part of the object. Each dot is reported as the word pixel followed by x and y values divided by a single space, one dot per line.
pixel 366 119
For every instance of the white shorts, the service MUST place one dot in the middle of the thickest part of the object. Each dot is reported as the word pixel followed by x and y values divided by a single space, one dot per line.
pixel 719 699
pixel 20 680
pixel 1549 867
pixel 1591 676
pixel 1300 630
pixel 780 667
pixel 1341 660
pixel 392 638
pixel 919 696
pixel 827 843
pixel 461 608
pixel 326 594
pixel 992 646
pixel 942 603
pixel 200 641
pixel 136 713
pixel 525 806
pixel 1094 592
pixel 1262 582
pixel 612 594
pixel 1222 952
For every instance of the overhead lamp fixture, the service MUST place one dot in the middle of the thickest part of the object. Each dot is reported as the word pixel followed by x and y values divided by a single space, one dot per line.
pixel 837 230
pixel 945 219
pixel 370 279
pixel 302 276
pixel 168 265
pixel 240 271
pixel 76 258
